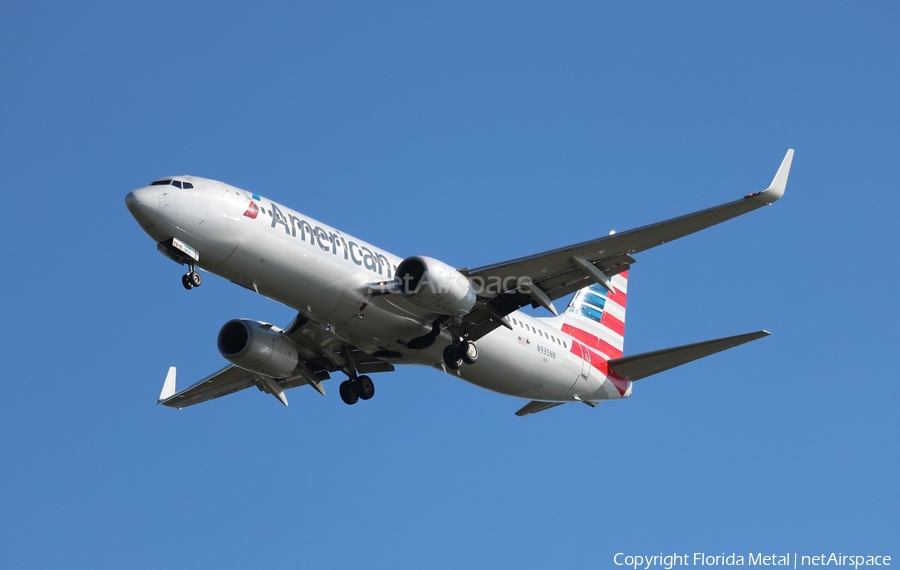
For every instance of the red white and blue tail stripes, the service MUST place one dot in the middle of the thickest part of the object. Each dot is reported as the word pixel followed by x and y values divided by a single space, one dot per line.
pixel 596 319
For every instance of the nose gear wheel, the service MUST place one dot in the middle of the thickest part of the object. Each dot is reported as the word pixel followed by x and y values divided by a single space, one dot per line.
pixel 191 279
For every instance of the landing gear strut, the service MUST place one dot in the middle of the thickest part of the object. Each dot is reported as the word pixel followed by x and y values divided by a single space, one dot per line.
pixel 191 279
pixel 355 387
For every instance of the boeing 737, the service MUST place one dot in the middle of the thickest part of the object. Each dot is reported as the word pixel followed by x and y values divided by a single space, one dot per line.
pixel 362 310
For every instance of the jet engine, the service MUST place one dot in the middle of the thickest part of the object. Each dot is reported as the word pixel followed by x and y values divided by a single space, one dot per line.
pixel 257 347
pixel 433 285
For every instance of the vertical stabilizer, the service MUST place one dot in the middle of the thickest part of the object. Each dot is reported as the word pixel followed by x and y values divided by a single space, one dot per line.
pixel 596 317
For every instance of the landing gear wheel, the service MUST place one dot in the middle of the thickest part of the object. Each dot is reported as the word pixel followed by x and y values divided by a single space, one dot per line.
pixel 469 352
pixel 452 358
pixel 186 281
pixel 348 393
pixel 194 278
pixel 364 387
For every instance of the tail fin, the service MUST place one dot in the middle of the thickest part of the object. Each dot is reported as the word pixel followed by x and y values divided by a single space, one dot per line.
pixel 596 317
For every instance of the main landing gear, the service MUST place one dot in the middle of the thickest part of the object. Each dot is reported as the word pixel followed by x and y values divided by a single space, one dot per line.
pixel 460 352
pixel 191 279
pixel 356 389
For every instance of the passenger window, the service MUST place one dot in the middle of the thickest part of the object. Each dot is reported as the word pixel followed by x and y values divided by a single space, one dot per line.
pixel 188 185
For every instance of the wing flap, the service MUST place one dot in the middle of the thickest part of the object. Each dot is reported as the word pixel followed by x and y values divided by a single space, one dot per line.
pixel 640 366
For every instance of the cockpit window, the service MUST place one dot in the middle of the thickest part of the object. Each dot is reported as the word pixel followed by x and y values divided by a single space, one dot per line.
pixel 169 181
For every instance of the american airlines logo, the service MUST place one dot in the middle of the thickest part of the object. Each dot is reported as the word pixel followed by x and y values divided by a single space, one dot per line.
pixel 374 261
pixel 252 211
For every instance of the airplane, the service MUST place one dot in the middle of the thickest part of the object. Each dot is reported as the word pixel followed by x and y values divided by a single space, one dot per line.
pixel 362 310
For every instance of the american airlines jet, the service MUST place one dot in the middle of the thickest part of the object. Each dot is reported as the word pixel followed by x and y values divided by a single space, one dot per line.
pixel 362 310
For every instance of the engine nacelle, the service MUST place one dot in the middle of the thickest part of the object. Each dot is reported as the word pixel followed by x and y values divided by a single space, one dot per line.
pixel 433 285
pixel 257 347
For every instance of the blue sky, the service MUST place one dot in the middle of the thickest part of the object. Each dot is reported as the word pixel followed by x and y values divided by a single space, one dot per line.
pixel 470 132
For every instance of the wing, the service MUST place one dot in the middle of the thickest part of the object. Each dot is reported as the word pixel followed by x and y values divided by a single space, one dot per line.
pixel 226 381
pixel 233 379
pixel 322 351
pixel 539 279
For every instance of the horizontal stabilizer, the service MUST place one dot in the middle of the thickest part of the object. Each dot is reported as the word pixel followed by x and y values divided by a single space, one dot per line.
pixel 534 407
pixel 649 363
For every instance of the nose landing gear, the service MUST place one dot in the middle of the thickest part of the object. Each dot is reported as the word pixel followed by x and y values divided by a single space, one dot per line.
pixel 191 279
pixel 182 253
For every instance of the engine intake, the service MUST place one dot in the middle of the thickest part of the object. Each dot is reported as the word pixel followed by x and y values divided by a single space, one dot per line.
pixel 257 347
pixel 433 285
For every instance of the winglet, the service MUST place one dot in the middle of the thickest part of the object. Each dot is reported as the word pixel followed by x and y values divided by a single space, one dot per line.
pixel 168 389
pixel 779 183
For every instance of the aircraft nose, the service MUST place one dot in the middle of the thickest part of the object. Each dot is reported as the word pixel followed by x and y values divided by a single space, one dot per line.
pixel 143 204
